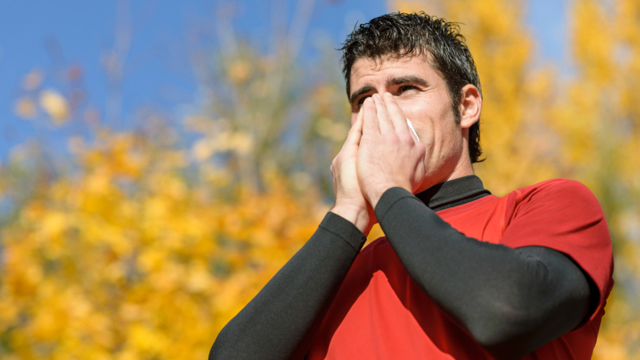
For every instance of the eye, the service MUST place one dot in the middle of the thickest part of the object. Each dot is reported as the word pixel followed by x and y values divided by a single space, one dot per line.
pixel 362 99
pixel 405 88
pixel 357 104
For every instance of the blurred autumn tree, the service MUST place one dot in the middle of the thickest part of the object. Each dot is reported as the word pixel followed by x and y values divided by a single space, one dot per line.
pixel 144 243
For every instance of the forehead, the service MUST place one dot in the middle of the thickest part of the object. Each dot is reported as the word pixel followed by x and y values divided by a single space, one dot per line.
pixel 369 71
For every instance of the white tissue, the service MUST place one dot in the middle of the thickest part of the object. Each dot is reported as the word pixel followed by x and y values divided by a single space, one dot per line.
pixel 412 129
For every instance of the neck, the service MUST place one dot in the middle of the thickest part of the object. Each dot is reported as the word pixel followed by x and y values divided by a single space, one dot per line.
pixel 458 191
pixel 463 168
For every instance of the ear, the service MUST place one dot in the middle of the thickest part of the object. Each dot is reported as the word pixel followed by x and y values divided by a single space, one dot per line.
pixel 470 106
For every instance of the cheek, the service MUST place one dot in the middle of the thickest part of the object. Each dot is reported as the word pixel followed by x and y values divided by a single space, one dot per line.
pixel 451 138
pixel 412 110
pixel 422 106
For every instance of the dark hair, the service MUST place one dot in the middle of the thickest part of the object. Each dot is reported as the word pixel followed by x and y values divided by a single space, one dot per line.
pixel 418 34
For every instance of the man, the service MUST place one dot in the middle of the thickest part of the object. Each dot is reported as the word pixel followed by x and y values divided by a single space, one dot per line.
pixel 461 274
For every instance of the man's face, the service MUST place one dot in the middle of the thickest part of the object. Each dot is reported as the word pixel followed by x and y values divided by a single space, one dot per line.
pixel 421 92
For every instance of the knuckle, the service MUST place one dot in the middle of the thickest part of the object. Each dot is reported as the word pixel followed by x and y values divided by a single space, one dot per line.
pixel 391 137
pixel 406 138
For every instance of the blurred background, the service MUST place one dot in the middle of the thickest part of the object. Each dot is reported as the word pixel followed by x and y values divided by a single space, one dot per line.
pixel 161 160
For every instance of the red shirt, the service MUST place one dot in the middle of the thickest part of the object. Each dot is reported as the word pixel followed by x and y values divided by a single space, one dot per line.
pixel 380 313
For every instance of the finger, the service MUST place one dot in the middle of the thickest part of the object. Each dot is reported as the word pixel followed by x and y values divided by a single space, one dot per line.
pixel 384 121
pixel 356 128
pixel 396 115
pixel 359 120
pixel 369 117
pixel 355 133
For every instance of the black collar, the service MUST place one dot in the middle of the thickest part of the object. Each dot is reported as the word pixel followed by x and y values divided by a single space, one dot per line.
pixel 453 193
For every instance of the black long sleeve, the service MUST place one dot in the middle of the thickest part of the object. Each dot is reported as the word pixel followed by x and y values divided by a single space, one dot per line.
pixel 274 323
pixel 510 300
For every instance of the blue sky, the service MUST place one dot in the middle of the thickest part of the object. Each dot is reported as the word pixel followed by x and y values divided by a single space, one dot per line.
pixel 51 34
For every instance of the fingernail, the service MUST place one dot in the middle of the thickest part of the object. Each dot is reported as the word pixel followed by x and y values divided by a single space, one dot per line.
pixel 388 94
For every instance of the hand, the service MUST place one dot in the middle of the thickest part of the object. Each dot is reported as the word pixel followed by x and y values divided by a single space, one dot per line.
pixel 350 202
pixel 388 154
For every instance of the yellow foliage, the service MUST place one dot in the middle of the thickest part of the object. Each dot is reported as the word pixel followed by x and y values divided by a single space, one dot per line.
pixel 240 72
pixel 32 80
pixel 95 270
pixel 55 105
pixel 26 108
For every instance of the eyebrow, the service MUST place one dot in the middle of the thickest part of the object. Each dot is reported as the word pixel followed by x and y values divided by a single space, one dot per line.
pixel 392 81
pixel 406 79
